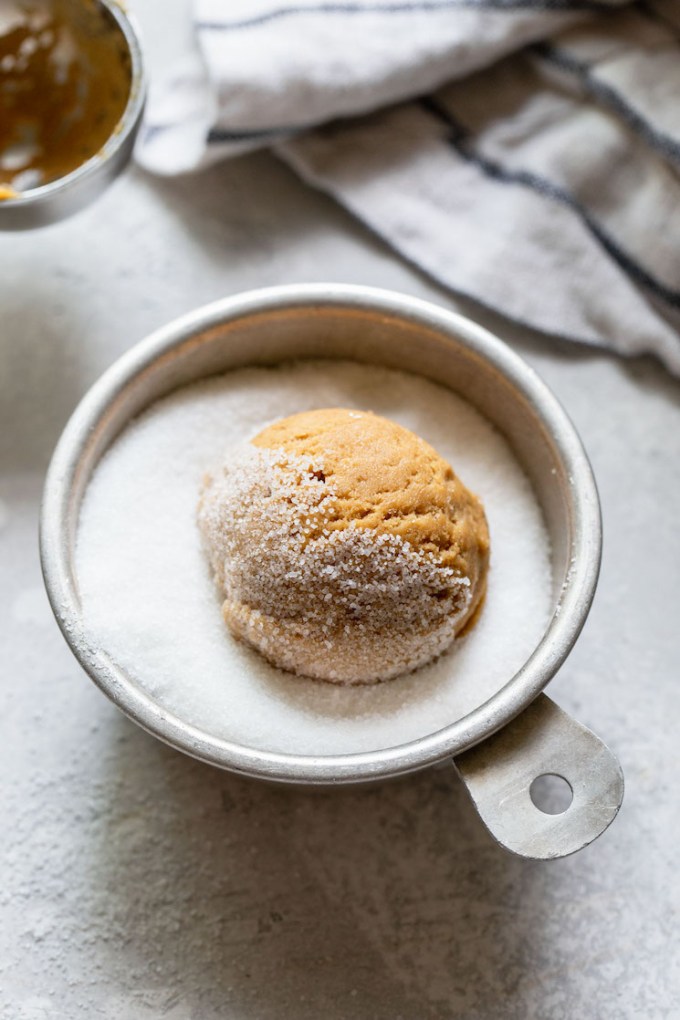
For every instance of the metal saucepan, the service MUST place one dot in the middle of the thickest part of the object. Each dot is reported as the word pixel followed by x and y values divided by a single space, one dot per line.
pixel 501 747
pixel 55 201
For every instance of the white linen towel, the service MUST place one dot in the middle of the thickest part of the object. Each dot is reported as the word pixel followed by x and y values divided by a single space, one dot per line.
pixel 525 153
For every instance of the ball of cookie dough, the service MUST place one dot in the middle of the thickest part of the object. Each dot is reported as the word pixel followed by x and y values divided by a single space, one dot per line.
pixel 344 547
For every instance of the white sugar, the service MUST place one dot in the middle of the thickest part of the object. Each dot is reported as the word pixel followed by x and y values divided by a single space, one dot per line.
pixel 148 596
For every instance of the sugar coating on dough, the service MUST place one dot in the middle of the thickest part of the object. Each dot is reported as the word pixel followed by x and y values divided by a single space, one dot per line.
pixel 344 546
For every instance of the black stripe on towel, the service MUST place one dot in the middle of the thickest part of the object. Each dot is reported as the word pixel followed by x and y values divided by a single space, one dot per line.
pixel 459 140
pixel 404 7
pixel 665 144
pixel 219 136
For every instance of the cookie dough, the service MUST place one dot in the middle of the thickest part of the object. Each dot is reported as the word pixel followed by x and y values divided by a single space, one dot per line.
pixel 345 548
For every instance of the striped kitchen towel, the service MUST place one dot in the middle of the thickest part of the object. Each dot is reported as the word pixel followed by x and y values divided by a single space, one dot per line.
pixel 524 153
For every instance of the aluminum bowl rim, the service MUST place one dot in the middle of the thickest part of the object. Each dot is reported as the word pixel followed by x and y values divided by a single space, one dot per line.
pixel 519 691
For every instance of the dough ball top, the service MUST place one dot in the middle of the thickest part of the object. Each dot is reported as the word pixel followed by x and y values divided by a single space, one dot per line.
pixel 386 478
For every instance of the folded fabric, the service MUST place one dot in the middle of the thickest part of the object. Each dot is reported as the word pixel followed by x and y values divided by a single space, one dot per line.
pixel 523 153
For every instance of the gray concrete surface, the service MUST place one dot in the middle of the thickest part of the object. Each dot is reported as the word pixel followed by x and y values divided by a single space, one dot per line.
pixel 138 884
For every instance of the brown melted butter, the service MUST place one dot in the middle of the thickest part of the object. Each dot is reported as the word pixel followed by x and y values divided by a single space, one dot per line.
pixel 65 78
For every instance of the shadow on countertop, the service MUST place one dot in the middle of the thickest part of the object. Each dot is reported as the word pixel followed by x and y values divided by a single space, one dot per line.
pixel 234 898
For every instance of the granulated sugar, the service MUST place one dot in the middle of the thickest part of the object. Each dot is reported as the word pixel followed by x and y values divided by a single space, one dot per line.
pixel 148 595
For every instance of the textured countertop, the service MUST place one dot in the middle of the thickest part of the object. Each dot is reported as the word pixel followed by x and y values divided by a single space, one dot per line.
pixel 137 883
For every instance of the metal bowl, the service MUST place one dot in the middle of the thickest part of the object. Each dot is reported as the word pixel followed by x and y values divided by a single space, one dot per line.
pixel 378 327
pixel 38 207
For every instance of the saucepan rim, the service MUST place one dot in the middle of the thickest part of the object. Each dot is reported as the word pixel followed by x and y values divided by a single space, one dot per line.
pixel 48 195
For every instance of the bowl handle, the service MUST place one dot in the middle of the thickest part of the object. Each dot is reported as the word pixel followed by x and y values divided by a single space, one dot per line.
pixel 543 740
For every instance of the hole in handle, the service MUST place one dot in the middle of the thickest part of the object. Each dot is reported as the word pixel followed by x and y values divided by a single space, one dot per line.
pixel 551 794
